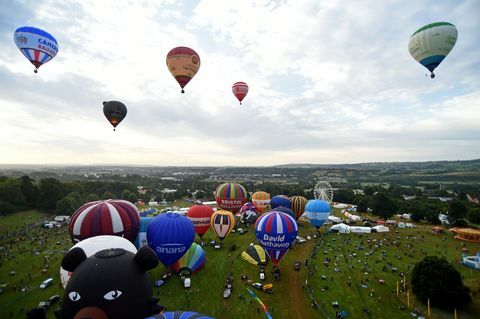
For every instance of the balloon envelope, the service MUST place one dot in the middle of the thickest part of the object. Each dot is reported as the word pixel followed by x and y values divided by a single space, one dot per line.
pixel 192 261
pixel 280 200
pixel 231 196
pixel 240 90
pixel 222 222
pixel 317 211
pixel 36 45
pixel 180 315
pixel 200 216
pixel 286 210
pixel 141 239
pixel 261 200
pixel 111 217
pixel 255 255
pixel 430 44
pixel 183 63
pixel 298 205
pixel 170 235
pixel 115 112
pixel 276 231
pixel 93 245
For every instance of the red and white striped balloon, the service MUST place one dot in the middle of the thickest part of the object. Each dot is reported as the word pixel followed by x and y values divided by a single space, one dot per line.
pixel 240 90
pixel 111 217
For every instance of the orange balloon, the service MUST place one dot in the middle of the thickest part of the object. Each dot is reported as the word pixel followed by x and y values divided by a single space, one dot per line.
pixel 183 63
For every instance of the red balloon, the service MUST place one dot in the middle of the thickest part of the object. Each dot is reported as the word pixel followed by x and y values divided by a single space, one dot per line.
pixel 200 216
pixel 240 90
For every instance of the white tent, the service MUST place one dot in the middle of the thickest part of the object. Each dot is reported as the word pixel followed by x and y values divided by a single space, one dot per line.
pixel 334 219
pixel 340 228
pixel 360 229
pixel 380 229
pixel 352 217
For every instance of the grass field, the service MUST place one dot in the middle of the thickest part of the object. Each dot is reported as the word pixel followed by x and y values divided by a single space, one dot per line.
pixel 25 253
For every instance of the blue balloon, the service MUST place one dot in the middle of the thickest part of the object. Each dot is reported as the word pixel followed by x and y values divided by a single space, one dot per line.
pixel 180 315
pixel 280 200
pixel 36 45
pixel 317 211
pixel 286 210
pixel 141 239
pixel 170 235
pixel 276 231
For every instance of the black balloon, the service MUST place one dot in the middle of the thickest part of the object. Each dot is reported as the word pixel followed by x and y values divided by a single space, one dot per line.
pixel 115 112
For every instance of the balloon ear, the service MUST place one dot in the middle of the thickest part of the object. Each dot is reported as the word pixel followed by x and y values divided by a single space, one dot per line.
pixel 146 258
pixel 104 102
pixel 73 258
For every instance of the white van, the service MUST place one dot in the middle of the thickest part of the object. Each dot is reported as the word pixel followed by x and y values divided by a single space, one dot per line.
pixel 401 225
pixel 46 283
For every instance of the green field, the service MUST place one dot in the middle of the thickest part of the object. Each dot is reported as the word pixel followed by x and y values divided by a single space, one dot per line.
pixel 25 253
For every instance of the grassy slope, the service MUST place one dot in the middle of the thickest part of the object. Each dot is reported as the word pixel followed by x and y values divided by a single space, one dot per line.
pixel 283 303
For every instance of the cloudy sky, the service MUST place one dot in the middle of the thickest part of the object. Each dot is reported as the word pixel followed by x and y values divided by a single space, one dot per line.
pixel 330 82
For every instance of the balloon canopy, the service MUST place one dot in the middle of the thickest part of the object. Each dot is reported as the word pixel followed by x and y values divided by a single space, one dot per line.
pixel 200 216
pixel 111 217
pixel 255 255
pixel 231 196
pixel 115 112
pixel 180 315
pixel 430 44
pixel 240 90
pixel 183 63
pixel 286 210
pixel 276 231
pixel 36 45
pixel 170 235
pixel 141 239
pixel 317 211
pixel 280 200
pixel 191 262
pixel 298 205
pixel 261 200
pixel 93 245
pixel 222 223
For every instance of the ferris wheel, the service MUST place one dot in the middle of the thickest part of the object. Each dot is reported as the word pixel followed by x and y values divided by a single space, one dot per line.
pixel 323 190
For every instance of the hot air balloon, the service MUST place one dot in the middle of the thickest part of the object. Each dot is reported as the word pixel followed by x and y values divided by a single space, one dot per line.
pixel 298 205
pixel 170 235
pixel 286 210
pixel 255 255
pixel 111 217
pixel 36 45
pixel 231 196
pixel 180 315
pixel 200 216
pixel 430 44
pixel 115 112
pixel 183 63
pixel 93 245
pixel 222 223
pixel 317 211
pixel 248 213
pixel 276 231
pixel 280 200
pixel 191 262
pixel 261 200
pixel 141 239
pixel 240 90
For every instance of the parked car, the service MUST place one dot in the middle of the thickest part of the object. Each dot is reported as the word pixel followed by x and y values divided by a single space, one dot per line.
pixel 227 292
pixel 53 299
pixel 44 304
pixel 159 283
pixel 257 285
pixel 46 283
pixel 296 265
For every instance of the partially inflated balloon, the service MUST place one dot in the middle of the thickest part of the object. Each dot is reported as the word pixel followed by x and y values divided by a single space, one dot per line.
pixel 240 90
pixel 222 222
pixel 183 63
pixel 255 255
pixel 280 200
pixel 36 45
pixel 191 262
pixel 430 44
pixel 115 112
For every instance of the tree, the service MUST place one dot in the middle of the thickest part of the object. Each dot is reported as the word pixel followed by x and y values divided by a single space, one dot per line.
pixel 132 198
pixel 92 198
pixel 456 210
pixel 435 279
pixel 11 192
pixel 473 215
pixel 51 190
pixel 29 191
pixel 362 205
pixel 66 206
pixel 383 205
pixel 199 194
pixel 108 195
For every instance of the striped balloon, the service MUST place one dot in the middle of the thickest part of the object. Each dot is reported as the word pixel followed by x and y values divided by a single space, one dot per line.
pixel 180 315
pixel 261 200
pixel 222 223
pixel 200 216
pixel 240 90
pixel 141 239
pixel 111 217
pixel 231 196
pixel 317 211
pixel 276 231
pixel 298 205
pixel 36 45
pixel 192 261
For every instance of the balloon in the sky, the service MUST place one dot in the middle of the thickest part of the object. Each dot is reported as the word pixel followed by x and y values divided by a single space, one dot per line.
pixel 111 217
pixel 298 205
pixel 317 211
pixel 183 63
pixel 170 235
pixel 276 231
pixel 280 200
pixel 255 255
pixel 222 222
pixel 231 196
pixel 200 216
pixel 93 245
pixel 141 239
pixel 115 112
pixel 36 45
pixel 261 200
pixel 240 90
pixel 430 44
pixel 191 262
pixel 180 315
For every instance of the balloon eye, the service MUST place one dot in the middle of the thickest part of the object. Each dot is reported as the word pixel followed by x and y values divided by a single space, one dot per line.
pixel 74 296
pixel 111 295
